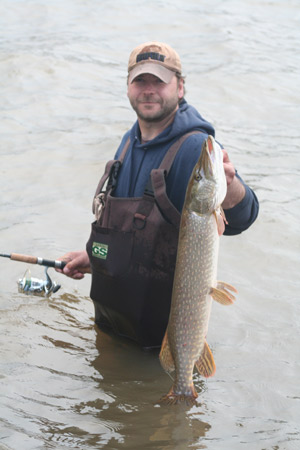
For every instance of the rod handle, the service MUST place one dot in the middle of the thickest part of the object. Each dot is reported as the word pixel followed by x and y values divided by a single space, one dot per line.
pixel 23 258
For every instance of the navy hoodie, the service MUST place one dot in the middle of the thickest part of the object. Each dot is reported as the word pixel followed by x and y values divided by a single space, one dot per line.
pixel 141 158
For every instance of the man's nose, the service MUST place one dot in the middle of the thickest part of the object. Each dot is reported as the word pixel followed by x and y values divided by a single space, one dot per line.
pixel 149 87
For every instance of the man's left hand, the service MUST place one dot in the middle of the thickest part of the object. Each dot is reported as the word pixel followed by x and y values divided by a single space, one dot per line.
pixel 235 189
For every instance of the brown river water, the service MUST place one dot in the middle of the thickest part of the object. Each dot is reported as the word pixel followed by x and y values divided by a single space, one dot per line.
pixel 63 383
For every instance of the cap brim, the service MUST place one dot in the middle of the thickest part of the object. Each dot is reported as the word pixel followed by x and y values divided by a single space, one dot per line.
pixel 156 69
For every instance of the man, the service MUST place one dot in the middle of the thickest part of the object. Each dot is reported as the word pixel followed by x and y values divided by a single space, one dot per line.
pixel 132 248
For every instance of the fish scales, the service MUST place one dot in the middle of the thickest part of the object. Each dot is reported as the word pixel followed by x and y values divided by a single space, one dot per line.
pixel 184 345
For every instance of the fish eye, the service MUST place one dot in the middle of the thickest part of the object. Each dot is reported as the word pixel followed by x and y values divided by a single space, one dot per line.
pixel 197 175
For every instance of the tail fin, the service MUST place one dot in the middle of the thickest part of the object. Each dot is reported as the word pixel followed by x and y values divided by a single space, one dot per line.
pixel 172 398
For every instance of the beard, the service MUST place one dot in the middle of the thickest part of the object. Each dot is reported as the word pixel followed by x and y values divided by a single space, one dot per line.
pixel 152 113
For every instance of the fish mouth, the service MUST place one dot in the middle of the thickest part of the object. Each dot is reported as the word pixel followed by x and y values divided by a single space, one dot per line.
pixel 205 164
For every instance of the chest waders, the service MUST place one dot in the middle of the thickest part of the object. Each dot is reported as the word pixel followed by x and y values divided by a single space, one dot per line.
pixel 132 250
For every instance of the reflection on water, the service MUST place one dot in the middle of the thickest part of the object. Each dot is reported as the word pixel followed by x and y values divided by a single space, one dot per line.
pixel 66 384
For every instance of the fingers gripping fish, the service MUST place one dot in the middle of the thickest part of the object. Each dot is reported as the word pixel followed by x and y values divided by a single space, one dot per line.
pixel 184 345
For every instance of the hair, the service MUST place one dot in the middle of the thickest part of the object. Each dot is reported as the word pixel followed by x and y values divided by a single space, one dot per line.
pixel 179 77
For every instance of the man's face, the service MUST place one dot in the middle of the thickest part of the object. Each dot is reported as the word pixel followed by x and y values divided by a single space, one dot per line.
pixel 152 99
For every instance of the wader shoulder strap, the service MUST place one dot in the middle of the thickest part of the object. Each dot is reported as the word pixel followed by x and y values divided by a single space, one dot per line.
pixel 158 179
pixel 109 172
pixel 167 162
pixel 156 189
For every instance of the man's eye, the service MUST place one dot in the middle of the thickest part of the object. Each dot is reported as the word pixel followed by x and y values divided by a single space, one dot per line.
pixel 158 81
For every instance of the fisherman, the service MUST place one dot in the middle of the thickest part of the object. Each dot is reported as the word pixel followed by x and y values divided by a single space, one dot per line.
pixel 131 252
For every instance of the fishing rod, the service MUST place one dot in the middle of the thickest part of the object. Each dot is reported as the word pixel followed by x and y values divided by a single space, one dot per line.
pixel 36 286
pixel 34 260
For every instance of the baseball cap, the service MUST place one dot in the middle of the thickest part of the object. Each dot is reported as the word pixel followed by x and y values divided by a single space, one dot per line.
pixel 156 58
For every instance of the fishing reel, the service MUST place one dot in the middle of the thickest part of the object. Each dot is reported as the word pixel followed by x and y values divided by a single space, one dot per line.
pixel 35 286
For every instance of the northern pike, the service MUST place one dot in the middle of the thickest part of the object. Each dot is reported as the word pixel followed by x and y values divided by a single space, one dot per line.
pixel 202 221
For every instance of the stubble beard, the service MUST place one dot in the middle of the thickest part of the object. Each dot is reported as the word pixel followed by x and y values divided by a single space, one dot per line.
pixel 165 110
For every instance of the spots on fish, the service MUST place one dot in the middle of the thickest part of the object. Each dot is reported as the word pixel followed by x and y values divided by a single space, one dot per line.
pixel 195 275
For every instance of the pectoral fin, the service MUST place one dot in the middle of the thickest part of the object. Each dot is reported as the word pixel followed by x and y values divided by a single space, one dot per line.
pixel 165 355
pixel 206 364
pixel 220 223
pixel 221 220
pixel 221 293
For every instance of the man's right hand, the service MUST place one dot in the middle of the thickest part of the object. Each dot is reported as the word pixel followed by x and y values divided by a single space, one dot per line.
pixel 78 264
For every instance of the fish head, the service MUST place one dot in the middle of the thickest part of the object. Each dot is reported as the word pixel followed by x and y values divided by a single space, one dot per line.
pixel 207 186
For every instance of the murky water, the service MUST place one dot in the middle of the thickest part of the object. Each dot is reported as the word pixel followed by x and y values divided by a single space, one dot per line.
pixel 65 384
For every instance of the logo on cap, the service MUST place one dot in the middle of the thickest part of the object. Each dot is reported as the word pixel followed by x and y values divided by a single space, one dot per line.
pixel 150 55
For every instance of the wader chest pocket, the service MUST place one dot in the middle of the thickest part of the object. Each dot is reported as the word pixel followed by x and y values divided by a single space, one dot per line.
pixel 110 250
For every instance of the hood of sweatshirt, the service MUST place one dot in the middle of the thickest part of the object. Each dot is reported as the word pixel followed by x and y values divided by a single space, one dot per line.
pixel 142 158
